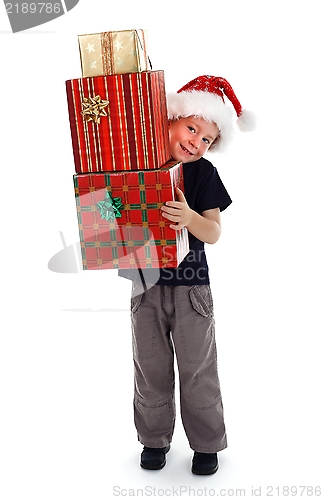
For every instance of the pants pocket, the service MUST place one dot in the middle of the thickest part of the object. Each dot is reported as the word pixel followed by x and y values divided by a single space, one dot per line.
pixel 143 324
pixel 136 296
pixel 158 410
pixel 201 300
pixel 197 325
pixel 135 303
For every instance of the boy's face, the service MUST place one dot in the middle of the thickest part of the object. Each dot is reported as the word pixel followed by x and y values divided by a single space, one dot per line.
pixel 190 138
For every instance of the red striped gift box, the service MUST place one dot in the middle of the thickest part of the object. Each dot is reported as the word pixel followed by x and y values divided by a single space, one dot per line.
pixel 120 221
pixel 118 122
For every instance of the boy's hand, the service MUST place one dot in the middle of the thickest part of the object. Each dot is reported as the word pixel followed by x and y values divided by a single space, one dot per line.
pixel 177 211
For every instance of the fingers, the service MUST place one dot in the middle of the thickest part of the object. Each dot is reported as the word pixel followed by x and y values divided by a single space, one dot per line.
pixel 170 211
pixel 177 227
pixel 174 204
pixel 171 217
pixel 180 194
pixel 173 211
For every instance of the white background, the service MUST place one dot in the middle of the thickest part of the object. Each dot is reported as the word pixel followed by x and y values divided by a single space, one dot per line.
pixel 66 424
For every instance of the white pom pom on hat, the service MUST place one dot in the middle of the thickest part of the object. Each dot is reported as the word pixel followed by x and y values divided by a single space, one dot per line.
pixel 246 121
pixel 203 97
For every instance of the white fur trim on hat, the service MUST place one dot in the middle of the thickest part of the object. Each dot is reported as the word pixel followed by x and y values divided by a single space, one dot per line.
pixel 204 105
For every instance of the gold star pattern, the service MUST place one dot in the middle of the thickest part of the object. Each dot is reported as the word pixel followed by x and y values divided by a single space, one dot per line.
pixel 93 108
pixel 90 47
pixel 119 61
pixel 92 64
pixel 118 45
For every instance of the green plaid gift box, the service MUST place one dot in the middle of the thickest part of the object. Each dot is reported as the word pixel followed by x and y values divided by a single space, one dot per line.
pixel 120 221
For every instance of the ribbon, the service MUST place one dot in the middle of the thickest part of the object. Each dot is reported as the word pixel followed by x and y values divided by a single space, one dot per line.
pixel 93 108
pixel 110 207
pixel 143 47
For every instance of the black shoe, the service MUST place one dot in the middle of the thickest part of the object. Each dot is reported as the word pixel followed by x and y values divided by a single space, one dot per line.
pixel 154 458
pixel 204 463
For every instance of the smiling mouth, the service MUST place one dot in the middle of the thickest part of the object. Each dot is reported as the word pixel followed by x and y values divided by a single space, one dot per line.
pixel 186 151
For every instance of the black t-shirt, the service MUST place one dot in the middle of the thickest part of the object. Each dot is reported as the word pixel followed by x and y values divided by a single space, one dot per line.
pixel 204 190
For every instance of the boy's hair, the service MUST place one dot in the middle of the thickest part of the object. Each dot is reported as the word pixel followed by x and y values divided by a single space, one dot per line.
pixel 204 98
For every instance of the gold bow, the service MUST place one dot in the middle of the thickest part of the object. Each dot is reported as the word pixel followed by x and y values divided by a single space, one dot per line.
pixel 93 108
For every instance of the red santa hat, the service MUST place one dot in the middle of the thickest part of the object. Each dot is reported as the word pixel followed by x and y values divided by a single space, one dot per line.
pixel 203 97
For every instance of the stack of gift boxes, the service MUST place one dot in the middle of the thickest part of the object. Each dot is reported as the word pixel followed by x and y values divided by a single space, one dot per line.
pixel 124 174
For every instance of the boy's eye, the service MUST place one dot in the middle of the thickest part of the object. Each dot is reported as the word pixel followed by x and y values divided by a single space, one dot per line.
pixel 191 129
pixel 206 140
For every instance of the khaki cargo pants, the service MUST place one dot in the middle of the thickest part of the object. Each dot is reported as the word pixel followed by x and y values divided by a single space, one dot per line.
pixel 168 319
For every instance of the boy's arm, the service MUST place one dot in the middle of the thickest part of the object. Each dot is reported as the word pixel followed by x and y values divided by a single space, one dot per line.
pixel 205 227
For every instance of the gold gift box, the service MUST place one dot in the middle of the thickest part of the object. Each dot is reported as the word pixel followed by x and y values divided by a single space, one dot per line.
pixel 114 53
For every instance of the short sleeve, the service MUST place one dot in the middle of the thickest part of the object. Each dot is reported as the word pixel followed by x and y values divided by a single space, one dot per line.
pixel 211 191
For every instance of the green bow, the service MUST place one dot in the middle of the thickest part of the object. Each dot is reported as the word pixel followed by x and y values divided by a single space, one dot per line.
pixel 110 207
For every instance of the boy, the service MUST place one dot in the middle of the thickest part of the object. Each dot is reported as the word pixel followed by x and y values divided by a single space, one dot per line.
pixel 175 310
